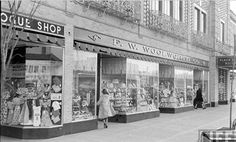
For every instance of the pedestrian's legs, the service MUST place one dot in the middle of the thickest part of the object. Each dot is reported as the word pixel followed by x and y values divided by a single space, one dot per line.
pixel 195 103
pixel 203 105
pixel 105 120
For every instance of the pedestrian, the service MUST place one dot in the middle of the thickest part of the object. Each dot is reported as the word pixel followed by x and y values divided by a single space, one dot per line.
pixel 199 99
pixel 105 108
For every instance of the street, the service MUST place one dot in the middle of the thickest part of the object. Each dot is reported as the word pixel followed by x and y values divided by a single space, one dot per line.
pixel 180 127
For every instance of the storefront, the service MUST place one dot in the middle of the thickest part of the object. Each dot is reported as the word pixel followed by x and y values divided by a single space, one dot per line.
pixel 132 83
pixel 225 66
pixel 31 106
pixel 142 80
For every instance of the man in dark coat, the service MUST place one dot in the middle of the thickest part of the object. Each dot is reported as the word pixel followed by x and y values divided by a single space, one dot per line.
pixel 198 99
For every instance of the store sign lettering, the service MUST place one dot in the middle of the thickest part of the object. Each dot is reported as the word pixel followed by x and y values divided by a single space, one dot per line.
pixel 31 24
pixel 155 52
pixel 116 43
pixel 226 61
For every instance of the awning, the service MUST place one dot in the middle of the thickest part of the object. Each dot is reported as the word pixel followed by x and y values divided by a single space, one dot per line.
pixel 127 54
pixel 38 38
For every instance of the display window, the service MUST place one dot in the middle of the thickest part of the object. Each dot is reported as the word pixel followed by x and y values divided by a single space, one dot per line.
pixel 201 80
pixel 166 86
pixel 184 86
pixel 142 84
pixel 34 96
pixel 132 84
pixel 205 91
pixel 114 79
pixel 176 86
pixel 189 87
pixel 198 79
pixel 84 85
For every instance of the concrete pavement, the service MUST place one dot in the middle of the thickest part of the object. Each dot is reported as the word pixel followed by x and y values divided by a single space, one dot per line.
pixel 181 127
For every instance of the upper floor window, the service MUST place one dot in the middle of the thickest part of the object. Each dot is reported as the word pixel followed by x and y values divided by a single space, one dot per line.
pixel 203 22
pixel 171 7
pixel 200 20
pixel 222 31
pixel 181 10
pixel 160 6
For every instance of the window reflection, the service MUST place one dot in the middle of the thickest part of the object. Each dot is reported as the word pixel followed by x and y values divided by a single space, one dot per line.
pixel 84 78
pixel 142 83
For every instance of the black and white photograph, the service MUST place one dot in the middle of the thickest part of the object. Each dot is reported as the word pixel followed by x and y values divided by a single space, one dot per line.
pixel 118 71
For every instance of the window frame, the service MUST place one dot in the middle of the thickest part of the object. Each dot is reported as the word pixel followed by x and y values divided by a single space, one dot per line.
pixel 181 10
pixel 222 31
pixel 171 8
pixel 201 25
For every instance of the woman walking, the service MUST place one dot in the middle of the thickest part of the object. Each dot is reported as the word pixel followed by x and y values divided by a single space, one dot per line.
pixel 105 108
pixel 199 99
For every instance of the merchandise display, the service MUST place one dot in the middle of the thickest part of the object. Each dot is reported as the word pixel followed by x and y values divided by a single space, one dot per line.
pixel 189 95
pixel 168 97
pixel 117 89
pixel 84 80
pixel 28 100
pixel 166 86
pixel 142 83
pixel 132 84
pixel 175 87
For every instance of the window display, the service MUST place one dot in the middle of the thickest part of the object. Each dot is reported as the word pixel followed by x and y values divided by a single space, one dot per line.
pixel 180 86
pixel 166 85
pixel 201 79
pixel 176 86
pixel 142 84
pixel 132 84
pixel 198 78
pixel 189 87
pixel 84 85
pixel 34 93
pixel 114 79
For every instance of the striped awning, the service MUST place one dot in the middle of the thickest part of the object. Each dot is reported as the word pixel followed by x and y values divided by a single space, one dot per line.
pixel 38 38
pixel 127 54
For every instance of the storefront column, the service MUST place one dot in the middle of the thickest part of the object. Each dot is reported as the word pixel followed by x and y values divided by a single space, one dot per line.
pixel 68 74
pixel 213 82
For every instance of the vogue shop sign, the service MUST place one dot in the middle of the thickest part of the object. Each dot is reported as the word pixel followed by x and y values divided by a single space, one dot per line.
pixel 32 24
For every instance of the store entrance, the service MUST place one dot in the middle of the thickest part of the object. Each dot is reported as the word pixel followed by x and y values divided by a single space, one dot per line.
pixel 112 75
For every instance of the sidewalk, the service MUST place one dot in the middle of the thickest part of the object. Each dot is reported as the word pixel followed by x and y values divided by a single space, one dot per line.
pixel 181 127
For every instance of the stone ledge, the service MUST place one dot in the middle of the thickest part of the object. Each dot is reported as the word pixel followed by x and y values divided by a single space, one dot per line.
pixel 50 132
pixel 176 110
pixel 127 118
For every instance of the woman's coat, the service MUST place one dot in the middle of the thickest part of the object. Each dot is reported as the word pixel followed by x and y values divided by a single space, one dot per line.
pixel 105 108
